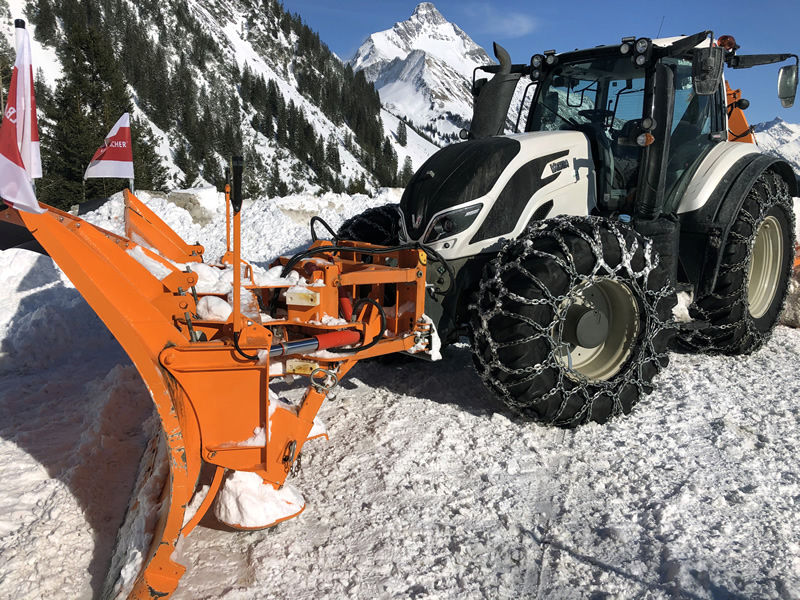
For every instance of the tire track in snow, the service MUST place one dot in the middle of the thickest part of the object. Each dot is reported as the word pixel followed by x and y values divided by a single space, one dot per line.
pixel 559 466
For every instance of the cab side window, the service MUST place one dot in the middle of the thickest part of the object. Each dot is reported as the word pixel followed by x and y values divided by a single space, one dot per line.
pixel 695 119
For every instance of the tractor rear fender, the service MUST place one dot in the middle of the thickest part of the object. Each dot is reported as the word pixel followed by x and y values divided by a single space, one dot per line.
pixel 705 230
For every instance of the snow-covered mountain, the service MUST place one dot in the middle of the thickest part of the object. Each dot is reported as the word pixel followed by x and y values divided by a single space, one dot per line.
pixel 422 69
pixel 210 78
pixel 781 139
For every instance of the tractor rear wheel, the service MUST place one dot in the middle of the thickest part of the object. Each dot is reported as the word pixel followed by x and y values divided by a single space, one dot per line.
pixel 746 302
pixel 572 321
pixel 379 225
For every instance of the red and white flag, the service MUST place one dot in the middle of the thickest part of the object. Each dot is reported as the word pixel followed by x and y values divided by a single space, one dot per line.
pixel 27 127
pixel 115 157
pixel 15 182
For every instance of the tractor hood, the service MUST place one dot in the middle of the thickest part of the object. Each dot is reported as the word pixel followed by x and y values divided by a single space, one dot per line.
pixel 454 175
pixel 481 190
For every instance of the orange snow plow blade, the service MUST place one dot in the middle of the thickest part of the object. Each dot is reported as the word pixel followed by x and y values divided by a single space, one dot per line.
pixel 144 226
pixel 209 379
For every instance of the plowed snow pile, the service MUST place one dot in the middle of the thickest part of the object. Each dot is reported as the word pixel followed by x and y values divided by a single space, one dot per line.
pixel 427 487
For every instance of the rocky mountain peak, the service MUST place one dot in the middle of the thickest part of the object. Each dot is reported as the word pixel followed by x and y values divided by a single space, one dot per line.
pixel 422 68
pixel 426 12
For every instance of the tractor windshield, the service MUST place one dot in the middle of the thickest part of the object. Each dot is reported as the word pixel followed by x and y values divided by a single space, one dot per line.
pixel 608 91
pixel 602 96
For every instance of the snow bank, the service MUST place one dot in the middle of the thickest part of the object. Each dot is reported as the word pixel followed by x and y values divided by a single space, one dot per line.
pixel 269 227
pixel 136 532
pixel 42 316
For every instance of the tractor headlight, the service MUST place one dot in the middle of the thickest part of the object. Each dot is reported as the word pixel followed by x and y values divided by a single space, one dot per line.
pixel 452 222
pixel 641 59
pixel 627 44
pixel 641 45
pixel 536 61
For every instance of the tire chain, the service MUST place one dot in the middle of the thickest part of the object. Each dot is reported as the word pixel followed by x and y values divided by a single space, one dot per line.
pixel 776 194
pixel 367 219
pixel 574 383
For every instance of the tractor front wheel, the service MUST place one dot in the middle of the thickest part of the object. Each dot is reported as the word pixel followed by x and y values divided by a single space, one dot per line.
pixel 572 321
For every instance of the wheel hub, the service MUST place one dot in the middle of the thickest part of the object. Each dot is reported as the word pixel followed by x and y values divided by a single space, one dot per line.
pixel 585 326
pixel 598 331
pixel 764 273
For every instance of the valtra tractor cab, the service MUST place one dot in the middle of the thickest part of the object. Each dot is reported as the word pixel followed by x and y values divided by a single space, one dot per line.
pixel 561 246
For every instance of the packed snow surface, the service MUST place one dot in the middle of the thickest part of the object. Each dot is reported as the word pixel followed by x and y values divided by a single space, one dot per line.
pixel 427 488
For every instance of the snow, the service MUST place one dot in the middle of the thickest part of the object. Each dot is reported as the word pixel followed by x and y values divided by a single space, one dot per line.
pixel 157 269
pixel 211 279
pixel 428 486
pixel 246 501
pixel 417 147
pixel 136 532
pixel 212 308
pixel 435 342
pixel 791 311
pixel 680 311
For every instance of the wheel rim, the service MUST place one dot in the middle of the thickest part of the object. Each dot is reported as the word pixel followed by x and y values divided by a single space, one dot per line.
pixel 618 303
pixel 765 267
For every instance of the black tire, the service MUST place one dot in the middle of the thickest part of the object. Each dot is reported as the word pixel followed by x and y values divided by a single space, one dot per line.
pixel 729 308
pixel 523 303
pixel 379 225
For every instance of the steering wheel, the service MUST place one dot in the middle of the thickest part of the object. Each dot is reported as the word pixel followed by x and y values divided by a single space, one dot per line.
pixel 596 114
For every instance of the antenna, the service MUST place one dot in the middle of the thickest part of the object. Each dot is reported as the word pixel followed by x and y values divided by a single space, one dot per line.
pixel 660 26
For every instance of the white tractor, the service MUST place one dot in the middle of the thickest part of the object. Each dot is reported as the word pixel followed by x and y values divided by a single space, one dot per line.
pixel 558 249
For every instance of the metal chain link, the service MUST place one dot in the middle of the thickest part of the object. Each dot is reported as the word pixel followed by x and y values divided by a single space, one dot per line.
pixel 514 257
pixel 372 220
pixel 776 193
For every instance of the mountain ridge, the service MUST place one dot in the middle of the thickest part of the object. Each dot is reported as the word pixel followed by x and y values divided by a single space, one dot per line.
pixel 422 68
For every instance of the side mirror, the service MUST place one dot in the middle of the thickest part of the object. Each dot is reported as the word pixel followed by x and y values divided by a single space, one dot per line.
pixel 707 70
pixel 787 85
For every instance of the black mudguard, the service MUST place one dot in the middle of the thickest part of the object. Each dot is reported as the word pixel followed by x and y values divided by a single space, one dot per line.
pixel 705 231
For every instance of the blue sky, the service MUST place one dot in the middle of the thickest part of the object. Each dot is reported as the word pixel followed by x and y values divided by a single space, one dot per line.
pixel 525 27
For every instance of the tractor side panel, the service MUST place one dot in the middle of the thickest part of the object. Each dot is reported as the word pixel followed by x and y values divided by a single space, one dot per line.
pixel 553 174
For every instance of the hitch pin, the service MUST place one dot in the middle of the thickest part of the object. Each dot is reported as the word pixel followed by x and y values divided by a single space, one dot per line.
pixel 193 288
pixel 192 333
